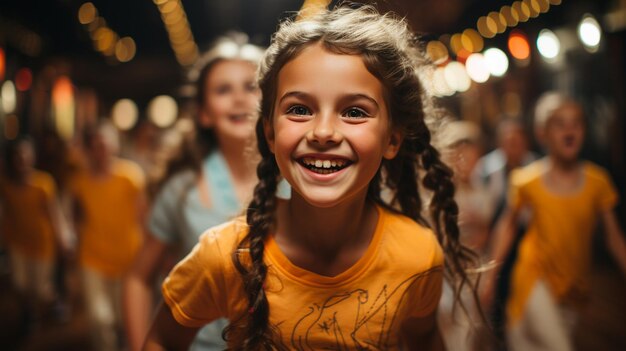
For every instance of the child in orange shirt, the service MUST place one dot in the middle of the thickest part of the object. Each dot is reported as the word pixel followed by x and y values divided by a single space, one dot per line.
pixel 335 266
pixel 567 197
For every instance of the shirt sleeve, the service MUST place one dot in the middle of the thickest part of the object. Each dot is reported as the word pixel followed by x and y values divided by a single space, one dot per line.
pixel 164 219
pixel 195 290
pixel 608 197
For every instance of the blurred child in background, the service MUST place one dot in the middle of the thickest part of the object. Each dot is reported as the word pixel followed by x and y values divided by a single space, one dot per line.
pixel 109 207
pixel 461 141
pixel 206 184
pixel 567 197
pixel 30 225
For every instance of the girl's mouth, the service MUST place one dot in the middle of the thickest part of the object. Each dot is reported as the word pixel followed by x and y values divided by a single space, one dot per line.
pixel 238 118
pixel 324 166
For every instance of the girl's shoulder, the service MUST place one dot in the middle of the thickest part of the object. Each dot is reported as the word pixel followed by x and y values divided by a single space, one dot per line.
pixel 404 236
pixel 222 240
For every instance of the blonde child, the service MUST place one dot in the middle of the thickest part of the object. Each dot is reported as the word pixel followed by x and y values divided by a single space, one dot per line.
pixel 334 266
pixel 567 197
pixel 109 206
pixel 209 183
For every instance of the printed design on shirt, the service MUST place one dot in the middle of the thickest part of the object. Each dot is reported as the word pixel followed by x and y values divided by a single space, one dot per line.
pixel 372 328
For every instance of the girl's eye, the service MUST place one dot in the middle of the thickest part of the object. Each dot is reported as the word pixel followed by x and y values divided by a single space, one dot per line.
pixel 223 89
pixel 298 110
pixel 355 113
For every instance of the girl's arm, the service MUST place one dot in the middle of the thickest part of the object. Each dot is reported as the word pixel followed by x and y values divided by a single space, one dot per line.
pixel 504 233
pixel 137 294
pixel 167 334
pixel 615 239
pixel 422 334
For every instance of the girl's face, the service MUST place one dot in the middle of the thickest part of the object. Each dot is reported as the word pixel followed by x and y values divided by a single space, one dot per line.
pixel 231 100
pixel 564 132
pixel 330 128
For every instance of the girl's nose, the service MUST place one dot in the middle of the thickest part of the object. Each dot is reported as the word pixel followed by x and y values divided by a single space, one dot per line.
pixel 324 130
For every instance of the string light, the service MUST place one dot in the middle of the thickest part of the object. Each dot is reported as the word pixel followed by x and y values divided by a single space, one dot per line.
pixel 105 39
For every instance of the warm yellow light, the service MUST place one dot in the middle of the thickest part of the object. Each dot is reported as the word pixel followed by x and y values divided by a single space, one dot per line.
pixel 125 49
pixel 510 15
pixel 105 40
pixel 499 21
pixel 484 29
pixel 169 6
pixel 437 52
pixel 173 17
pixel 456 43
pixel 63 106
pixel 544 6
pixel 522 10
pixel 159 2
pixel 87 13
pixel 471 40
pixel 533 5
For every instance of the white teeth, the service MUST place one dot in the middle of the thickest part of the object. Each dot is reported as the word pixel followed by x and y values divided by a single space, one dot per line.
pixel 327 164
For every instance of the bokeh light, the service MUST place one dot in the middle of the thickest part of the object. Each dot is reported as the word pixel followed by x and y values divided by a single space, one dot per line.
pixel 471 40
pixel 437 52
pixel 456 77
pixel 125 49
pixel 589 32
pixel 2 64
pixel 87 13
pixel 23 79
pixel 486 27
pixel 497 62
pixel 63 106
pixel 8 98
pixel 162 111
pixel 124 114
pixel 518 45
pixel 548 44
pixel 477 69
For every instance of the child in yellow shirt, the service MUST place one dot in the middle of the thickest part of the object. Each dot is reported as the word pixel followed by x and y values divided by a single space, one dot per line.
pixel 567 197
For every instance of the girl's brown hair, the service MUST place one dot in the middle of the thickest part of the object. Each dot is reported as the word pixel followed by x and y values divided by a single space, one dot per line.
pixel 390 52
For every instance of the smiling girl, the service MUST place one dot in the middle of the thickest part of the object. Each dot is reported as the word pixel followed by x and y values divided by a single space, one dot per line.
pixel 335 266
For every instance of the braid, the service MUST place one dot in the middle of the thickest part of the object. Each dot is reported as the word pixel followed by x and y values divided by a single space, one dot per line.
pixel 444 213
pixel 254 325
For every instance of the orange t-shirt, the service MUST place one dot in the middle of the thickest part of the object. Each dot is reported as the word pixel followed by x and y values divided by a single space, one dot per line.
pixel 399 276
pixel 110 232
pixel 26 219
pixel 557 246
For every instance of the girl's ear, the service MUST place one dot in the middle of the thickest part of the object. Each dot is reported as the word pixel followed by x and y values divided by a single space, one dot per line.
pixel 268 130
pixel 394 144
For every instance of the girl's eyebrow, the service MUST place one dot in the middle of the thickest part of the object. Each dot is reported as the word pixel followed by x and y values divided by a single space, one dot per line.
pixel 347 97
